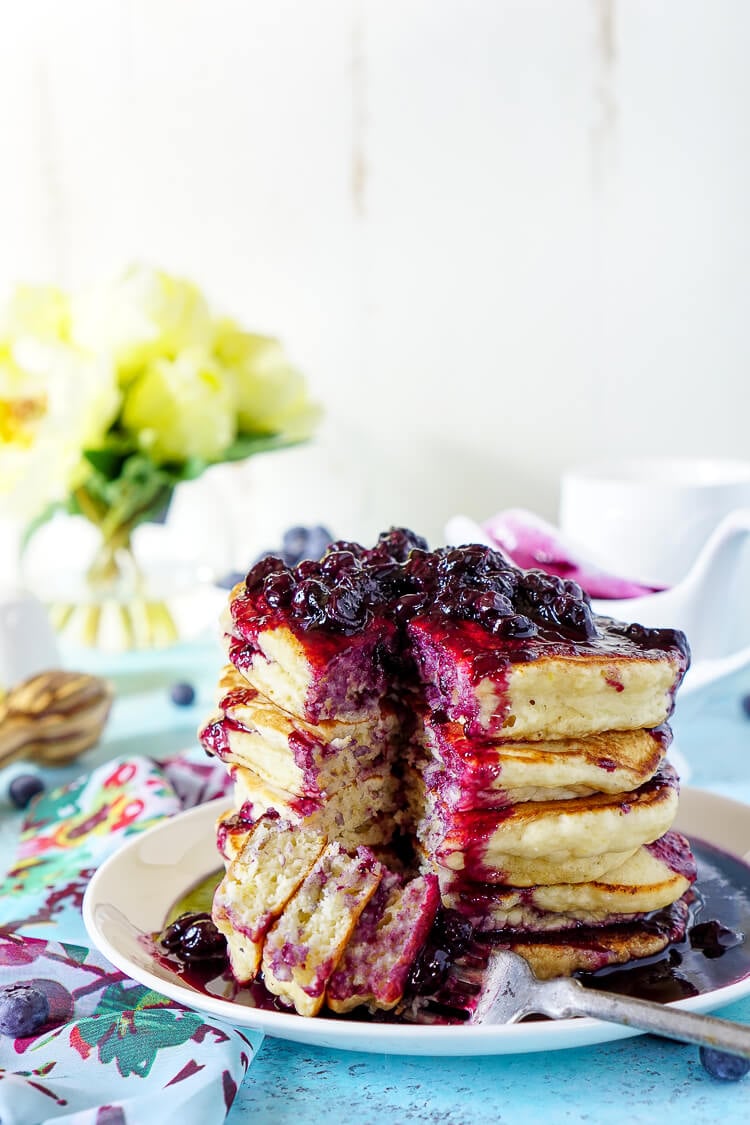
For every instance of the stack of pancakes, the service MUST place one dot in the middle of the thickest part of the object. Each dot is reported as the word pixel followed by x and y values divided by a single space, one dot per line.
pixel 514 741
pixel 561 848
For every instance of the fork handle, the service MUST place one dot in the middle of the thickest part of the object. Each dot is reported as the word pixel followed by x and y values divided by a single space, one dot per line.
pixel 568 997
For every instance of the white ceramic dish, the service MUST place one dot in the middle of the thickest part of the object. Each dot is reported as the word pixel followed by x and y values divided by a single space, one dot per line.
pixel 131 893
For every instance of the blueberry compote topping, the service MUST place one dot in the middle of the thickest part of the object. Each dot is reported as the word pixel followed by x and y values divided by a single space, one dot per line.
pixel 194 937
pixel 401 578
pixel 448 938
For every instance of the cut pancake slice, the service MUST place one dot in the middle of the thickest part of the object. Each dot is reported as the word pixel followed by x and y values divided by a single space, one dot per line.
pixel 364 813
pixel 657 875
pixel 548 689
pixel 287 752
pixel 269 868
pixel 305 945
pixel 232 833
pixel 314 674
pixel 555 832
pixel 484 773
pixel 390 933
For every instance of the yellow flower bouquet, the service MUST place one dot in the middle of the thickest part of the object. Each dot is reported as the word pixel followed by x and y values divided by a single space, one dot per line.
pixel 111 397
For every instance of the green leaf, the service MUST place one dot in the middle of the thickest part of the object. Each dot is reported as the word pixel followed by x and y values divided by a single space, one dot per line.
pixel 107 462
pixel 246 445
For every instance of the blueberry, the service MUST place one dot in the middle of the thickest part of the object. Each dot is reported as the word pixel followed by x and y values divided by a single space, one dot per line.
pixel 429 970
pixel 194 937
pixel 256 576
pixel 278 589
pixel 308 568
pixel 355 549
pixel 516 625
pixel 409 605
pixel 300 543
pixel 713 939
pixel 337 563
pixel 719 1064
pixel 746 705
pixel 309 602
pixel 454 931
pixel 293 544
pixel 346 610
pixel 23 788
pixel 398 542
pixel 23 1010
pixel 182 694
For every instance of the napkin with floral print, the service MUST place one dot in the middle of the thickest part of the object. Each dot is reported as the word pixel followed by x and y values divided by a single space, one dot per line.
pixel 113 1052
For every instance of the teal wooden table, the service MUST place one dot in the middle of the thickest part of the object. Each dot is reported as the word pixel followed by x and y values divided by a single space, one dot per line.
pixel 634 1080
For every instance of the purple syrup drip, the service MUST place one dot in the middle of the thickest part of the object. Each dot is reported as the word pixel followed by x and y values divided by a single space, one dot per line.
pixel 673 850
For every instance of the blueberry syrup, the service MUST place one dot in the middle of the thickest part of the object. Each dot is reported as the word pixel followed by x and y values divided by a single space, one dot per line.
pixel 507 615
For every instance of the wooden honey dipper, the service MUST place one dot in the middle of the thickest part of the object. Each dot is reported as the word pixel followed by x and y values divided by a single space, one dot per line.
pixel 53 717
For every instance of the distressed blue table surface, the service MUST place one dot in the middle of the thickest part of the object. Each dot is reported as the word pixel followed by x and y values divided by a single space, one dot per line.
pixel 635 1080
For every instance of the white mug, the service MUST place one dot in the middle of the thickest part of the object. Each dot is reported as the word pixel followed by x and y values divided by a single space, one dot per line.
pixel 647 518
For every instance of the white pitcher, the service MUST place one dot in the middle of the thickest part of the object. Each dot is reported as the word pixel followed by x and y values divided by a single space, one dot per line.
pixel 711 604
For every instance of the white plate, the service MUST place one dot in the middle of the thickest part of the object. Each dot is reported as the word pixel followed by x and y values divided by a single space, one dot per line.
pixel 131 893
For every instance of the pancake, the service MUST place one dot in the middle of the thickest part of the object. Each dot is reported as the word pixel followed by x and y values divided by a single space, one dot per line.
pixel 305 945
pixel 287 752
pixel 556 832
pixel 313 675
pixel 547 687
pixel 257 887
pixel 655 876
pixel 231 835
pixel 586 949
pixel 479 726
pixel 363 813
pixel 485 773
pixel 589 948
pixel 391 931
pixel 527 871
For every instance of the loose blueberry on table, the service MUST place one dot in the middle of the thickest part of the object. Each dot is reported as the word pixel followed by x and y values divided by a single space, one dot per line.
pixel 182 694
pixel 24 788
pixel 23 1010
pixel 729 1068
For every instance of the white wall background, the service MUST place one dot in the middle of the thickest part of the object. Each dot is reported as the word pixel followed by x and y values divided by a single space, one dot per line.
pixel 500 236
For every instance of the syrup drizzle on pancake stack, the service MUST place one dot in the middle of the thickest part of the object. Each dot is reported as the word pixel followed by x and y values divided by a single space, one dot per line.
pixel 465 747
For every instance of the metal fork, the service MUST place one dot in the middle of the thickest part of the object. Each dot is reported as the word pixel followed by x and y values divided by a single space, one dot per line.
pixel 510 990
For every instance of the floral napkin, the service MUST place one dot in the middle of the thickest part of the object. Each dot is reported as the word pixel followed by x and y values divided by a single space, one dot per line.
pixel 113 1052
